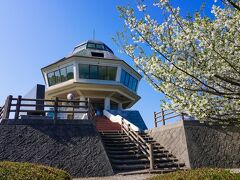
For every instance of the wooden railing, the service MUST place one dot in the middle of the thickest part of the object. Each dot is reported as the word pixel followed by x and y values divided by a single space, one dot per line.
pixel 15 107
pixel 1 112
pixel 166 115
pixel 91 113
pixel 143 146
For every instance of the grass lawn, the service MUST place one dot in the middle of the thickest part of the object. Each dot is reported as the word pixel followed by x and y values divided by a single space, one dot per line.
pixel 22 171
pixel 199 174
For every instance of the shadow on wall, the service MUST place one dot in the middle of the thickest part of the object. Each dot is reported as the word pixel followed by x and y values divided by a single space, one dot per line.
pixel 200 144
pixel 75 148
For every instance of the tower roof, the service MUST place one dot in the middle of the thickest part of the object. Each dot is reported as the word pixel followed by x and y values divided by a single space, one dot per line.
pixel 94 48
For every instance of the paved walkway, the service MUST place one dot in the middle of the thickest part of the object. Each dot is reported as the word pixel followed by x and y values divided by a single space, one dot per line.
pixel 119 177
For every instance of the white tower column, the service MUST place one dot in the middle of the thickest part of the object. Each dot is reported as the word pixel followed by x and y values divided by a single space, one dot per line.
pixel 82 98
pixel 120 106
pixel 107 103
pixel 118 76
pixel 82 115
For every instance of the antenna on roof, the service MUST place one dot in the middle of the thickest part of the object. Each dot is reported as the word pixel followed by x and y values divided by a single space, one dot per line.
pixel 93 34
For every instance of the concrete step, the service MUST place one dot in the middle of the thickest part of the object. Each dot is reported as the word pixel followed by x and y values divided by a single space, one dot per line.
pixel 146 171
pixel 139 155
pixel 113 134
pixel 122 152
pixel 169 165
pixel 125 155
pixel 126 148
pixel 144 166
pixel 126 167
pixel 142 161
pixel 115 141
pixel 123 144
pixel 114 137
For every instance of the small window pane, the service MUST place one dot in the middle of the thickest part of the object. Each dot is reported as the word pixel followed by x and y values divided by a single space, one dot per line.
pixel 69 72
pixel 126 81
pixel 123 74
pixel 84 71
pixel 63 74
pixel 103 72
pixel 97 54
pixel 51 78
pixel 112 73
pixel 100 46
pixel 134 87
pixel 130 82
pixel 57 76
pixel 91 45
pixel 93 72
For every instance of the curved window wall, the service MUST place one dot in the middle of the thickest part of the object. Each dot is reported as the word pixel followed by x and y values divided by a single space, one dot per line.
pixel 60 75
pixel 88 71
pixel 128 80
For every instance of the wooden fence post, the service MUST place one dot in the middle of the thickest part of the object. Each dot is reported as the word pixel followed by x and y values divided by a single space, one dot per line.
pixel 18 105
pixel 155 120
pixel 151 157
pixel 55 110
pixel 128 129
pixel 7 107
pixel 163 118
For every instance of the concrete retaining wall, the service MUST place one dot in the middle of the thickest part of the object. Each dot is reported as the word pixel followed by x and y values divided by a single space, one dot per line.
pixel 76 148
pixel 201 145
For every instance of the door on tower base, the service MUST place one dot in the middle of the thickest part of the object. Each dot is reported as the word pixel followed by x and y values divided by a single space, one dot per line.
pixel 98 105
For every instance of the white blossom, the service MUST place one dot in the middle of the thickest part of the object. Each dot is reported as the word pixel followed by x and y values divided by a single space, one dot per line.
pixel 195 63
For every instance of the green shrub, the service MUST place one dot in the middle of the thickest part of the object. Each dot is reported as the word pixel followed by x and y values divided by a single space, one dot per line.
pixel 22 171
pixel 199 174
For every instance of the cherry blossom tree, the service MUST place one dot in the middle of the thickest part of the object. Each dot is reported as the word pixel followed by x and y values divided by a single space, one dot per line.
pixel 194 61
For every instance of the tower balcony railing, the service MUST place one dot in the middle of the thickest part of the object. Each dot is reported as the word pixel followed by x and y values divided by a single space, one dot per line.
pixel 45 109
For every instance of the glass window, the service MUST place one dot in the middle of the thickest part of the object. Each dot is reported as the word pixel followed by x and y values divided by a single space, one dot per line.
pixel 93 72
pixel 111 73
pixel 100 46
pixel 91 45
pixel 51 78
pixel 87 71
pixel 63 74
pixel 57 76
pixel 102 70
pixel 130 82
pixel 60 75
pixel 134 87
pixel 69 72
pixel 123 74
pixel 96 54
pixel 126 81
pixel 84 71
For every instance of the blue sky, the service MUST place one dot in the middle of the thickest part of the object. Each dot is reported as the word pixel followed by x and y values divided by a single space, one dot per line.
pixel 35 33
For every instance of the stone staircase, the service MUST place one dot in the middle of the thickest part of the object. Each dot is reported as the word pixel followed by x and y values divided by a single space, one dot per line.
pixel 104 124
pixel 126 157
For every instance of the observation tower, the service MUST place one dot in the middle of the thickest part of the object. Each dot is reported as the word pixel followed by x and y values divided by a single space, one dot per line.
pixel 92 72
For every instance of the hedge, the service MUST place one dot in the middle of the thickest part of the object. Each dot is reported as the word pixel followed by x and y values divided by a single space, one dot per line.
pixel 199 174
pixel 25 171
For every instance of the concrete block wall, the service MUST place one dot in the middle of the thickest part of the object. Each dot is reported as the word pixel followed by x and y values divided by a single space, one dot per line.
pixel 200 144
pixel 212 145
pixel 173 138
pixel 76 148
